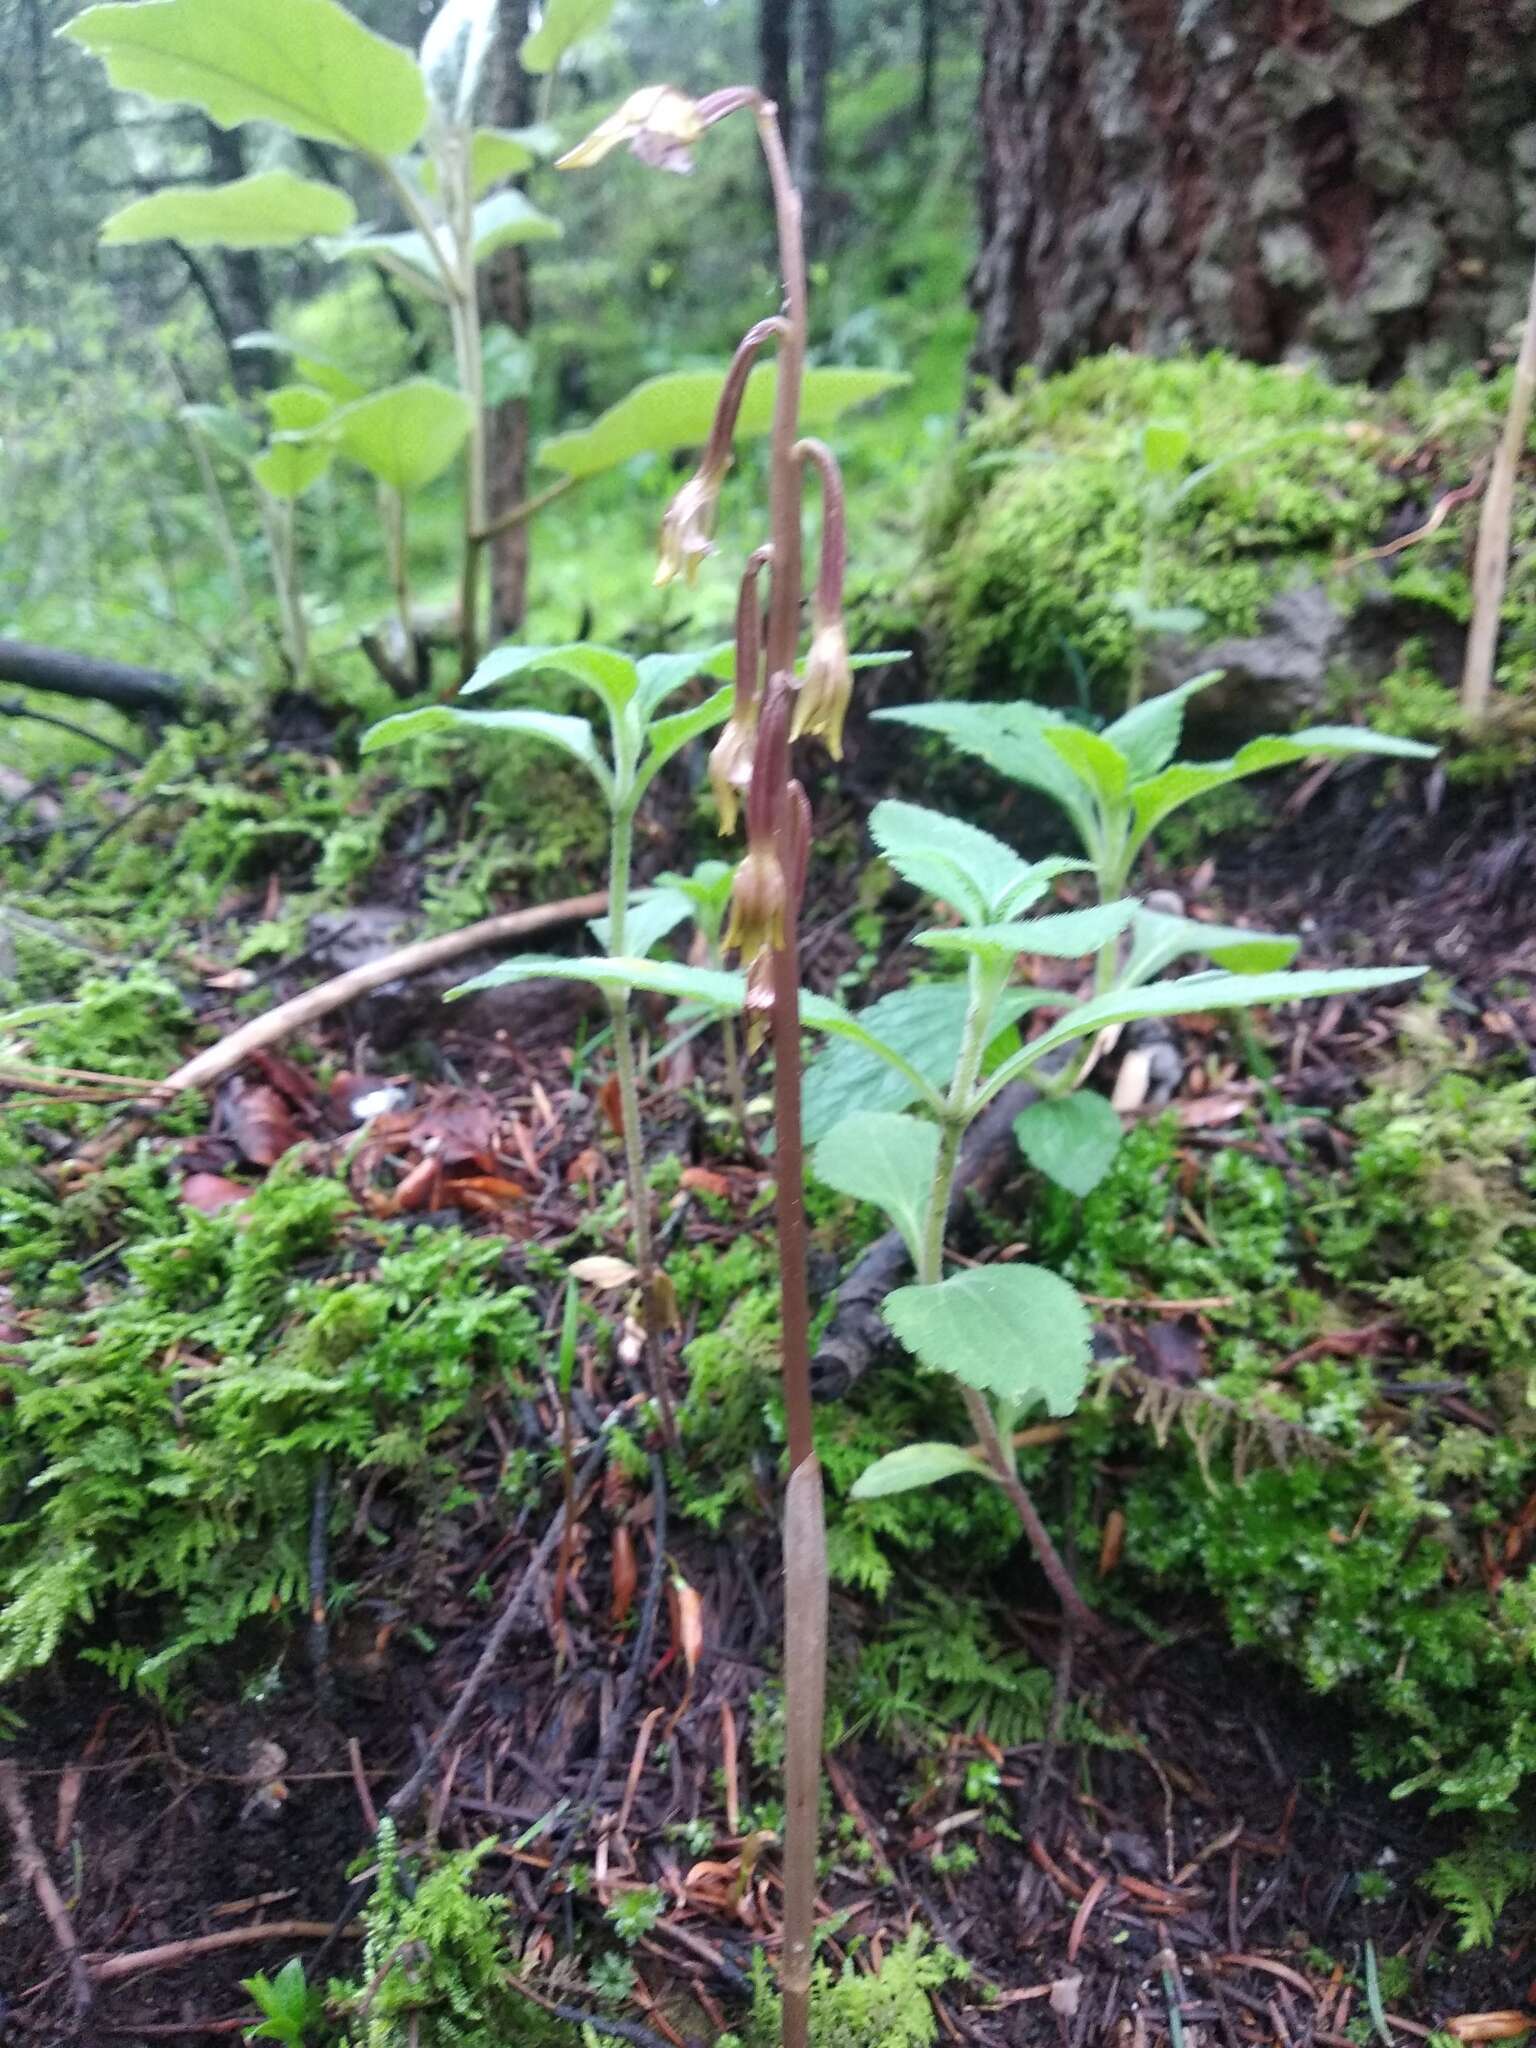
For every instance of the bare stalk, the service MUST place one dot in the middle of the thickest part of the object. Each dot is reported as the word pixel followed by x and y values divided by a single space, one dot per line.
pixel 1491 567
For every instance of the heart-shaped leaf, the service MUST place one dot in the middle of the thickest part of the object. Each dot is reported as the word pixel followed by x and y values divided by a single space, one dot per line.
pixel 1072 1141
pixel 1015 1331
pixel 404 436
pixel 268 210
pixel 876 1156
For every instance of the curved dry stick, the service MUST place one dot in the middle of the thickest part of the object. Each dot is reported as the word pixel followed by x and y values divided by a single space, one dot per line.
pixel 32 1868
pixel 168 1954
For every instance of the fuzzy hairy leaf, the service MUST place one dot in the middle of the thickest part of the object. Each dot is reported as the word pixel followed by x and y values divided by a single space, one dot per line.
pixel 1148 735
pixel 1094 759
pixel 947 858
pixel 916 1465
pixel 1072 1141
pixel 1012 739
pixel 268 210
pixel 880 1157
pixel 668 736
pixel 1157 940
pixel 1015 1331
pixel 661 674
pixel 308 65
pixel 675 411
pixel 1065 935
pixel 404 436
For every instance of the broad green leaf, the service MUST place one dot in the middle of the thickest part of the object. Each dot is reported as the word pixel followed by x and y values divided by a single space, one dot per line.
pixel 1094 759
pixel 309 65
pixel 876 1156
pixel 289 467
pixel 453 53
pixel 652 914
pixel 675 411
pixel 331 377
pixel 923 1027
pixel 404 254
pixel 712 987
pixel 494 155
pixel 612 675
pixel 1193 993
pixel 573 735
pixel 510 217
pixel 1011 739
pixel 669 735
pixel 1072 1140
pixel 268 210
pixel 1154 800
pixel 1066 935
pixel 1149 735
pixel 916 1465
pixel 1037 878
pixel 1165 447
pixel 561 23
pixel 1015 1331
pixel 661 674
pixel 404 436
pixel 1157 940
pixel 947 858
pixel 225 426
pixel 297 408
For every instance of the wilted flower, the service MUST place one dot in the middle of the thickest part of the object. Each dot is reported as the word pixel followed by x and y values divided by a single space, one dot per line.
pixel 688 525
pixel 758 901
pixel 821 703
pixel 730 768
pixel 660 124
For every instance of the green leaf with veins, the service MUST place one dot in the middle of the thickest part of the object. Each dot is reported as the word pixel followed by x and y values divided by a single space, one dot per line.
pixel 1010 738
pixel 308 65
pixel 573 735
pixel 1066 935
pixel 288 467
pixel 652 914
pixel 1095 761
pixel 1157 940
pixel 947 858
pixel 509 219
pixel 1154 800
pixel 404 436
pixel 1072 1141
pixel 916 1465
pixel 877 1156
pixel 661 674
pixel 1148 735
pixel 669 735
pixel 268 210
pixel 613 675
pixel 494 155
pixel 1018 1332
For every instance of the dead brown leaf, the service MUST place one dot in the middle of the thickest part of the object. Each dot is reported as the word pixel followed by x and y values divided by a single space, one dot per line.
pixel 210 1192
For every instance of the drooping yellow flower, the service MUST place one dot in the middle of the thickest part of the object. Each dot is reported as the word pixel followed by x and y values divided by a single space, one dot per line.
pixel 821 703
pixel 758 901
pixel 730 768
pixel 660 124
pixel 688 527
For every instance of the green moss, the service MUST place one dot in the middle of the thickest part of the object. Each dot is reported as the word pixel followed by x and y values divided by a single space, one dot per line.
pixel 855 2008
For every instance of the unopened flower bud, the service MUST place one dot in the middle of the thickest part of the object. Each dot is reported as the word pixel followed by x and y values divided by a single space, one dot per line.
pixel 758 899
pixel 659 123
pixel 687 527
pixel 821 703
pixel 730 769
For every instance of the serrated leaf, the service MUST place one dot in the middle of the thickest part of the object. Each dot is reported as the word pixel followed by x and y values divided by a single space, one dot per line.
pixel 1011 739
pixel 676 410
pixel 877 1156
pixel 268 210
pixel 309 65
pixel 916 1465
pixel 1072 1140
pixel 1015 1331
pixel 561 24
pixel 947 858
pixel 1095 760
pixel 1148 736
pixel 651 915
pixel 404 436
pixel 1164 793
pixel 1065 935
pixel 510 218
pixel 669 735
pixel 1157 940
pixel 612 675
pixel 453 53
pixel 573 735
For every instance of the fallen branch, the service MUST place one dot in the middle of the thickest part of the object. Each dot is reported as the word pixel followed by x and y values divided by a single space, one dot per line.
pixel 109 682
pixel 32 1869
pixel 108 1969
pixel 211 1066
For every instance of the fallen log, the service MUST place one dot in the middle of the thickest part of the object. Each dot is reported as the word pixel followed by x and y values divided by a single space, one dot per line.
pixel 108 682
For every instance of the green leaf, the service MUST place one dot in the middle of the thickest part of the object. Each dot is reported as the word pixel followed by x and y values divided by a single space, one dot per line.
pixel 876 1156
pixel 561 23
pixel 947 858
pixel 669 735
pixel 1072 1141
pixel 652 914
pixel 661 674
pixel 1158 940
pixel 453 53
pixel 331 377
pixel 268 210
pixel 612 675
pixel 509 218
pixel 1064 936
pixel 1015 1331
pixel 1011 739
pixel 309 65
pixel 404 254
pixel 573 735
pixel 714 988
pixel 1197 992
pixel 289 467
pixel 676 410
pixel 1094 759
pixel 708 889
pixel 1165 447
pixel 508 361
pixel 1149 735
pixel 494 155
pixel 224 426
pixel 1153 801
pixel 404 436
pixel 297 408
pixel 916 1465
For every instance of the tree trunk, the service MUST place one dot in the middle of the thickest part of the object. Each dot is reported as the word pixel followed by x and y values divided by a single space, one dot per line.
pixel 244 294
pixel 507 301
pixel 929 28
pixel 775 31
pixel 1351 180
pixel 816 50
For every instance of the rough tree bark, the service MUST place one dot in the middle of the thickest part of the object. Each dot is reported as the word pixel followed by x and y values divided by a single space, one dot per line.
pixel 775 40
pixel 507 300
pixel 1353 180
